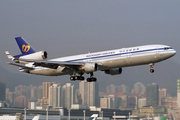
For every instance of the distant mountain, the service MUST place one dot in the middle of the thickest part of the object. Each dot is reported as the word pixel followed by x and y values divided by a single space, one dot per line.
pixel 165 75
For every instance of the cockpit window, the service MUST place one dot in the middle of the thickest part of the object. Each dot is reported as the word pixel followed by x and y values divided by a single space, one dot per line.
pixel 166 48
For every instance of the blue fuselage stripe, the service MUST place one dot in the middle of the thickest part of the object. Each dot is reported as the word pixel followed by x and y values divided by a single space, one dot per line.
pixel 119 54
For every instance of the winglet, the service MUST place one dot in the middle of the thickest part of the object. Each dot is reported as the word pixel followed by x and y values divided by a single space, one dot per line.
pixel 9 55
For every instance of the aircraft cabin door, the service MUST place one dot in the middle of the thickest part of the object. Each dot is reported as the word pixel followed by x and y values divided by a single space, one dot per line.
pixel 129 57
pixel 157 51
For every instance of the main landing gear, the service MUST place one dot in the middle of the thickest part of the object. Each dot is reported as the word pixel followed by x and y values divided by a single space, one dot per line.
pixel 91 79
pixel 151 67
pixel 81 78
pixel 73 78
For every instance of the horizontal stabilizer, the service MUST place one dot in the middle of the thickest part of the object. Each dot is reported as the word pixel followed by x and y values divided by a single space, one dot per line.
pixel 20 65
pixel 9 55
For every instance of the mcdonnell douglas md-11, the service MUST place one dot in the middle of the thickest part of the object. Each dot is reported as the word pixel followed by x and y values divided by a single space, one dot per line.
pixel 111 61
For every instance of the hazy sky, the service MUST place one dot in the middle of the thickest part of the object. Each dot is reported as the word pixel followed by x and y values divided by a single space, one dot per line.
pixel 71 27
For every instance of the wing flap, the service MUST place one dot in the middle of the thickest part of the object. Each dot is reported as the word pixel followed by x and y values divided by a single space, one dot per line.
pixel 52 64
pixel 20 65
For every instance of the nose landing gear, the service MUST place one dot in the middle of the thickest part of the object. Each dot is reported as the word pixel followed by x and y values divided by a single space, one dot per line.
pixel 151 67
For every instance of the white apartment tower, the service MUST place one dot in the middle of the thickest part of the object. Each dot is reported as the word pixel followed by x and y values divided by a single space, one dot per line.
pixel 141 102
pixel 162 93
pixel 68 95
pixel 55 95
pixel 106 103
pixel 178 93
pixel 89 93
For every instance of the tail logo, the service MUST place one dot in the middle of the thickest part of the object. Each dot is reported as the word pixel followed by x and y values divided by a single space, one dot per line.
pixel 25 48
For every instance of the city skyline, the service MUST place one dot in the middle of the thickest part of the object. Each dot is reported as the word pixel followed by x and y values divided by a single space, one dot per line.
pixel 57 91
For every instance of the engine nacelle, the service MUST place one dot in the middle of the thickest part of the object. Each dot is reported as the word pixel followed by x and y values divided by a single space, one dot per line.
pixel 89 67
pixel 115 71
pixel 41 55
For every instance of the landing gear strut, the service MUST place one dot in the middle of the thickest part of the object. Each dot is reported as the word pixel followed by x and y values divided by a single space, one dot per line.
pixel 75 77
pixel 151 67
pixel 91 79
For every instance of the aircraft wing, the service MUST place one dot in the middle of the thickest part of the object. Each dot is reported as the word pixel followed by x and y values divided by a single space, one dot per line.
pixel 20 65
pixel 52 64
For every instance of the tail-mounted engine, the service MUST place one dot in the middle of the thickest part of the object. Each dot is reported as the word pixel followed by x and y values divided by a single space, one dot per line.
pixel 89 67
pixel 115 71
pixel 41 55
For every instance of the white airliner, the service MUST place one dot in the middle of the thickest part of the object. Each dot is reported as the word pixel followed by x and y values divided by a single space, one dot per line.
pixel 111 61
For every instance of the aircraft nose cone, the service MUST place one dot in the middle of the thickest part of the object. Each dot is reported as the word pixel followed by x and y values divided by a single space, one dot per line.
pixel 173 52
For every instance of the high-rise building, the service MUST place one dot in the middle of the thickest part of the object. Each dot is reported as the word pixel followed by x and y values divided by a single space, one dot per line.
pixel 106 103
pixel 55 95
pixel 83 90
pixel 45 89
pixel 111 89
pixel 36 93
pixel 152 94
pixel 162 93
pixel 124 88
pixel 178 93
pixel 68 95
pixel 21 101
pixel 139 88
pixel 123 100
pixel 131 101
pixel 89 93
pixel 20 90
pixel 10 97
pixel 113 100
pixel 2 91
pixel 141 102
pixel 169 102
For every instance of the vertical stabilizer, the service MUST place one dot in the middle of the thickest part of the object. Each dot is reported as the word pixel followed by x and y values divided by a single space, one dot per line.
pixel 24 46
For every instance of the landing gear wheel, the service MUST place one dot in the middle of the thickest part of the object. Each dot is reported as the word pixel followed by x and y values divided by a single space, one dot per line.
pixel 93 79
pixel 88 79
pixel 76 77
pixel 72 78
pixel 152 70
pixel 81 78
